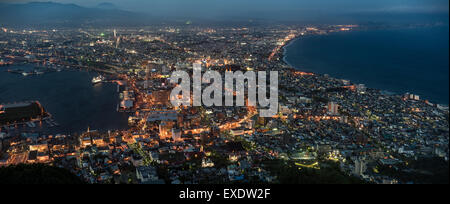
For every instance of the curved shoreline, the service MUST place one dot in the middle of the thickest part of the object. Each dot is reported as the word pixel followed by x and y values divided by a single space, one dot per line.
pixel 65 117
pixel 284 54
pixel 284 60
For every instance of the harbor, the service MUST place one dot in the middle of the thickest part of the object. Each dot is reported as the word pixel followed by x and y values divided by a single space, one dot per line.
pixel 72 98
pixel 34 69
pixel 16 118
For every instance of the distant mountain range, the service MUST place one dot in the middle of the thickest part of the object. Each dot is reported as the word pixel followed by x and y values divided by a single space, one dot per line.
pixel 37 14
pixel 106 5
pixel 50 13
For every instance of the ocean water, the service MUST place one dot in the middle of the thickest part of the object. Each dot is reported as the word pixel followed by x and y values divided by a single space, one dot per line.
pixel 411 60
pixel 69 96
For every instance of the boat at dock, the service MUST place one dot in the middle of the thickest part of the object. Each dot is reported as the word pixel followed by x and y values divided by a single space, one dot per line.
pixel 98 79
pixel 26 73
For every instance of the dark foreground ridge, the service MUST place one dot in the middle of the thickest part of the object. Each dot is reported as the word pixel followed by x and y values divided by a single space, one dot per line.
pixel 37 174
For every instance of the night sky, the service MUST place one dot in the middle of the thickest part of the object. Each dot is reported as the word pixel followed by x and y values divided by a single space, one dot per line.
pixel 249 8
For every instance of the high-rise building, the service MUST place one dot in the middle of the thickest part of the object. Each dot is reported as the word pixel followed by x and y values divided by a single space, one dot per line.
pixel 414 97
pixel 333 108
pixel 360 167
pixel 165 129
pixel 117 42
pixel 176 134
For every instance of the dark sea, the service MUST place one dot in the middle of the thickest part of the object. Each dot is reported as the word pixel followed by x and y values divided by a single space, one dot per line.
pixel 69 96
pixel 414 60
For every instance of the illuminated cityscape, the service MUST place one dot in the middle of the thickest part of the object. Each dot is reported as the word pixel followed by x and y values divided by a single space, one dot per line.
pixel 327 130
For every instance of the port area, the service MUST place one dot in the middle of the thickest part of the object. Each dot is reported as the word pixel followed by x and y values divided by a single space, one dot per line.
pixel 107 79
pixel 34 69
pixel 24 117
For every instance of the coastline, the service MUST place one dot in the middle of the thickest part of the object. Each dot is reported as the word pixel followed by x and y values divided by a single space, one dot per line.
pixel 283 57
pixel 284 53
pixel 93 101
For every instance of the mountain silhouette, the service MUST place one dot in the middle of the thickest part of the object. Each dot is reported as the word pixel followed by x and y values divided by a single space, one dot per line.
pixel 50 13
pixel 107 6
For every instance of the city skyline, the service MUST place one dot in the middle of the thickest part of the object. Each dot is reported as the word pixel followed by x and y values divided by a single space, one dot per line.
pixel 224 92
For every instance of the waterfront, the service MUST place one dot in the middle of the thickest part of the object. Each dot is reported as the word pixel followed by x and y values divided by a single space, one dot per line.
pixel 336 128
pixel 398 60
pixel 69 96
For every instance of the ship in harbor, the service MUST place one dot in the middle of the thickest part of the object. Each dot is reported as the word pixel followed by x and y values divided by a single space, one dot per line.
pixel 98 79
pixel 34 72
